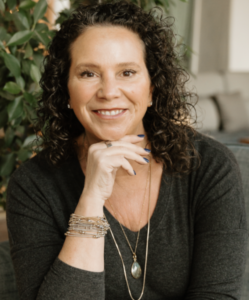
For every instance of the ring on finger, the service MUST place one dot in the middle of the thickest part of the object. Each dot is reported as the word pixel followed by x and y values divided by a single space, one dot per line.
pixel 108 143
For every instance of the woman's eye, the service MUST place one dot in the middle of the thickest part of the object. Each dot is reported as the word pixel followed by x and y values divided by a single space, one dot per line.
pixel 86 73
pixel 129 71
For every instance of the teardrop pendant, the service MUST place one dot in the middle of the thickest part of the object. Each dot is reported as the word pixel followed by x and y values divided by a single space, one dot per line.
pixel 136 270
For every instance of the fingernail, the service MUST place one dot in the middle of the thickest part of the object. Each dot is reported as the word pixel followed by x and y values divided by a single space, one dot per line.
pixel 148 150
pixel 140 135
pixel 146 159
pixel 134 172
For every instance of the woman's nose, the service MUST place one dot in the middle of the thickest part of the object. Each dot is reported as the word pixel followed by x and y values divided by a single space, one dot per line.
pixel 109 88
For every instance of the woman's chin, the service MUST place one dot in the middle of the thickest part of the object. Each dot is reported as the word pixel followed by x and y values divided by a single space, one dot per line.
pixel 111 137
pixel 106 136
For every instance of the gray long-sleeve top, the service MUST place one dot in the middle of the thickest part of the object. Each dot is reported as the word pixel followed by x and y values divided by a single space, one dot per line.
pixel 197 244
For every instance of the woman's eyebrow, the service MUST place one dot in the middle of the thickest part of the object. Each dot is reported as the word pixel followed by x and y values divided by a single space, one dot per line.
pixel 90 65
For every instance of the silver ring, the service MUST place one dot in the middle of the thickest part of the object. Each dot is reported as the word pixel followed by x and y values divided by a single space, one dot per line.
pixel 108 144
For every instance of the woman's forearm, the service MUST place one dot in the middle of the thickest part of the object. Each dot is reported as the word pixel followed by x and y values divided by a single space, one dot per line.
pixel 80 252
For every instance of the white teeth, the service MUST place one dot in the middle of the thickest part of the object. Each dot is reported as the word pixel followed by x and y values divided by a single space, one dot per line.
pixel 110 113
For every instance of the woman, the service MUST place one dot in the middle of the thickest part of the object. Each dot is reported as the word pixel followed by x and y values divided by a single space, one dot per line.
pixel 117 144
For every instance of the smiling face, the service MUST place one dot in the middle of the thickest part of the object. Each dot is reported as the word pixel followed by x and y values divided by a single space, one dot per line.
pixel 108 72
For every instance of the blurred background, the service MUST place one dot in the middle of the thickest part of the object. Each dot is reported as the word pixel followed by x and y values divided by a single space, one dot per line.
pixel 216 38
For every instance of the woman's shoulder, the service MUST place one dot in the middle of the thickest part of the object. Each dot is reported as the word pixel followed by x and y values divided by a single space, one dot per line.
pixel 210 149
pixel 38 167
pixel 37 163
pixel 218 166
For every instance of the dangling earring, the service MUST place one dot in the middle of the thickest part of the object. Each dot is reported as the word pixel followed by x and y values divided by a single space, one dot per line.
pixel 151 103
pixel 68 106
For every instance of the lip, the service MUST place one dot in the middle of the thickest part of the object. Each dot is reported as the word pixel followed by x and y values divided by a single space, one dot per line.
pixel 106 117
pixel 115 108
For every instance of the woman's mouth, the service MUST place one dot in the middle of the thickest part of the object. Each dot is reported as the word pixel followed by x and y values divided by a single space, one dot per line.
pixel 110 114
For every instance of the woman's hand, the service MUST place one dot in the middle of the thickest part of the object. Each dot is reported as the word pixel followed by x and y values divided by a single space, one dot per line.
pixel 103 163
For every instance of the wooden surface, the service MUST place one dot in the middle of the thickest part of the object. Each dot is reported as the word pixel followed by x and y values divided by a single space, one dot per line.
pixel 3 228
pixel 244 140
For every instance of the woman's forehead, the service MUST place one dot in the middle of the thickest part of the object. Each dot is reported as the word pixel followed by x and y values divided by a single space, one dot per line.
pixel 108 43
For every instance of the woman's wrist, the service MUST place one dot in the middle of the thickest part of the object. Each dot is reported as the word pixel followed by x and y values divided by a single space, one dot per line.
pixel 89 206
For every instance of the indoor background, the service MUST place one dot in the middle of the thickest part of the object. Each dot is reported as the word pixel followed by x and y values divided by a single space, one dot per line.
pixel 216 38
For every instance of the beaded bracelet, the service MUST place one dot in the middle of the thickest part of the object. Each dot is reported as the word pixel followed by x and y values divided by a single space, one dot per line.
pixel 98 226
pixel 85 234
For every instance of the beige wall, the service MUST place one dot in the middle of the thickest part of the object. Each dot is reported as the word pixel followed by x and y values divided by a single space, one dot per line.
pixel 239 36
pixel 214 37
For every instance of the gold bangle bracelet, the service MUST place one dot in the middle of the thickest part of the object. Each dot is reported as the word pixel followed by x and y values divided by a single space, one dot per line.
pixel 85 234
pixel 81 226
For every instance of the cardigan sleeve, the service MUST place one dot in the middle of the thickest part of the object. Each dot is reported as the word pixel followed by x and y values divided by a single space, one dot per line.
pixel 220 228
pixel 35 243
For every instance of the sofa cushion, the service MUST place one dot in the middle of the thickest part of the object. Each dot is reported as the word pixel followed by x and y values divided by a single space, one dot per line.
pixel 207 115
pixel 237 82
pixel 229 137
pixel 206 84
pixel 233 112
pixel 246 103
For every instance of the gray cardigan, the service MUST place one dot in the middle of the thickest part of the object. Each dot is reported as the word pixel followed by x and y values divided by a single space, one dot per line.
pixel 197 245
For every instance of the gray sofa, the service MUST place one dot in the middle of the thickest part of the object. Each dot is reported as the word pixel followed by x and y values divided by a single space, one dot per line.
pixel 7 278
pixel 223 106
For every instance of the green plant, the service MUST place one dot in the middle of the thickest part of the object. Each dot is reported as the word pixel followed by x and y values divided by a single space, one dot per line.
pixel 24 38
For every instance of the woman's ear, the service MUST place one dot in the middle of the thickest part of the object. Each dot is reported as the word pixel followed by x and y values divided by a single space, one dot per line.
pixel 68 105
pixel 151 92
pixel 152 88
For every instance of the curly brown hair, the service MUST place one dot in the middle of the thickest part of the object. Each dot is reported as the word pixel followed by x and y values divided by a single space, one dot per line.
pixel 165 122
